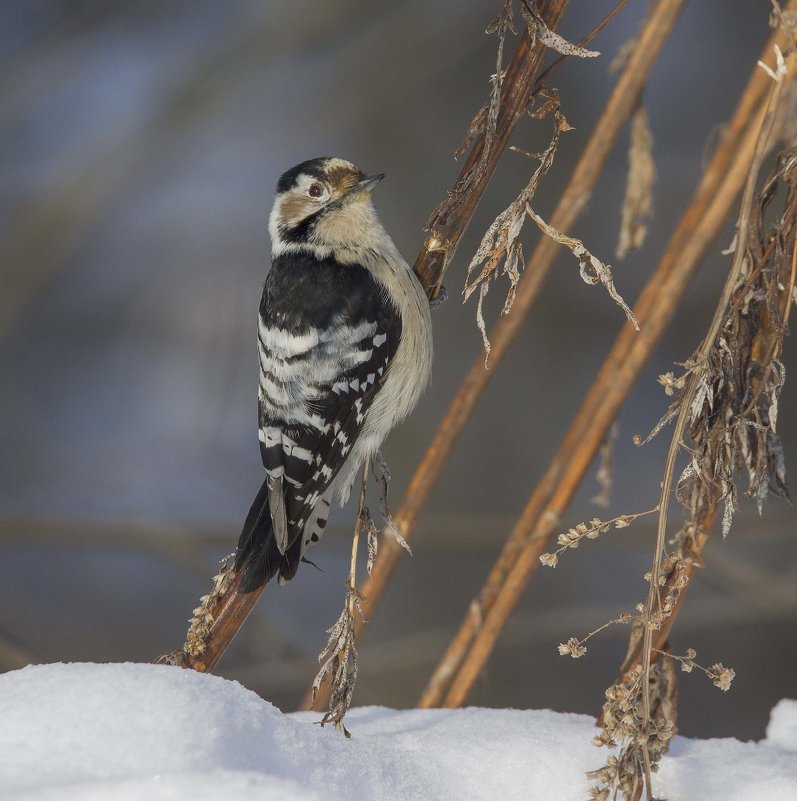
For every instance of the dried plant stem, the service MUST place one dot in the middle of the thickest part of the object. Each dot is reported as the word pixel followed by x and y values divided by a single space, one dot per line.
pixel 450 221
pixel 692 558
pixel 583 42
pixel 358 524
pixel 763 137
pixel 226 616
pixel 621 103
pixel 719 185
pixel 339 657
pixel 232 608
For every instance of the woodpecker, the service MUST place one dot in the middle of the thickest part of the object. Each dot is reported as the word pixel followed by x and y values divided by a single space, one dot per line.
pixel 345 350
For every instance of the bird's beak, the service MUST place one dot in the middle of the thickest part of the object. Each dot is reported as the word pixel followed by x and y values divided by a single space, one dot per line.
pixel 368 184
pixel 360 190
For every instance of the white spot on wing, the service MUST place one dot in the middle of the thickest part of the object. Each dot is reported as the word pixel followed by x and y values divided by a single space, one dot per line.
pixel 285 345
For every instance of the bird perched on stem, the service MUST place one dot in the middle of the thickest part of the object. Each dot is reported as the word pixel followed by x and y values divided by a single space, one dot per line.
pixel 345 348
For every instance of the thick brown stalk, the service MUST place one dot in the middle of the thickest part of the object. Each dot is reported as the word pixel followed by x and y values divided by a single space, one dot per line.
pixel 720 184
pixel 229 613
pixel 233 606
pixel 643 56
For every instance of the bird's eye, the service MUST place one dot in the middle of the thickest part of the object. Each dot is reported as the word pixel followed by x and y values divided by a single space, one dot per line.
pixel 315 190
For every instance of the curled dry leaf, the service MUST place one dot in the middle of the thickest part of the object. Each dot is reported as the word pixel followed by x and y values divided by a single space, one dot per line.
pixel 381 472
pixel 474 130
pixel 550 38
pixel 501 252
pixel 592 269
pixel 339 663
pixel 372 537
pixel 732 419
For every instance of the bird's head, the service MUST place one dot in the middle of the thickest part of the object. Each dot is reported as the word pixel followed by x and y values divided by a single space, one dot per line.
pixel 324 205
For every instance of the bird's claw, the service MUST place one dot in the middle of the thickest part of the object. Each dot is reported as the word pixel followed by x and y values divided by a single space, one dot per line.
pixel 442 297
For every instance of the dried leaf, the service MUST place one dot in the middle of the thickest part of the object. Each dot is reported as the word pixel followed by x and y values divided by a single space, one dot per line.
pixel 592 269
pixel 605 473
pixel 550 38
pixel 729 501
pixel 339 663
pixel 500 250
pixel 499 26
pixel 638 203
pixel 475 129
pixel 621 56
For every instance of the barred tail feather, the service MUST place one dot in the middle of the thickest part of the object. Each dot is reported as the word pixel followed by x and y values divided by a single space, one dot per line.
pixel 257 550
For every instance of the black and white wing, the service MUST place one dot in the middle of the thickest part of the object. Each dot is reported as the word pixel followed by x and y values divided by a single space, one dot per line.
pixel 327 334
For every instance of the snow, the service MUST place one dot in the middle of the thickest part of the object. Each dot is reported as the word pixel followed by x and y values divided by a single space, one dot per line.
pixel 122 732
pixel 782 729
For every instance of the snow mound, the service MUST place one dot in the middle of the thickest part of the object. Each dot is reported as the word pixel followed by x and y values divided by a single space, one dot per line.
pixel 86 732
pixel 782 729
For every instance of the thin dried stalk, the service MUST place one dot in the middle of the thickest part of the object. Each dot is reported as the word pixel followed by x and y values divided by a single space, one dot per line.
pixel 652 37
pixel 224 617
pixel 709 387
pixel 573 537
pixel 446 227
pixel 461 665
pixel 339 657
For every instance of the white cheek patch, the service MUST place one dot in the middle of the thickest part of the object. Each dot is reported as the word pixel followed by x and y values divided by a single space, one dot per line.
pixel 291 208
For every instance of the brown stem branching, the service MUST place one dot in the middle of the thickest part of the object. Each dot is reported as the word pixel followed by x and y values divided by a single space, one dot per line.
pixel 488 613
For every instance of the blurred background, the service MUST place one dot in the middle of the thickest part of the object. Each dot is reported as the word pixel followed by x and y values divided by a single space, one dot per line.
pixel 140 144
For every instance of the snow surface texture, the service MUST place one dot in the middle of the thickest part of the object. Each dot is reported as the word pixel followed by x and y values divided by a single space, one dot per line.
pixel 86 732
